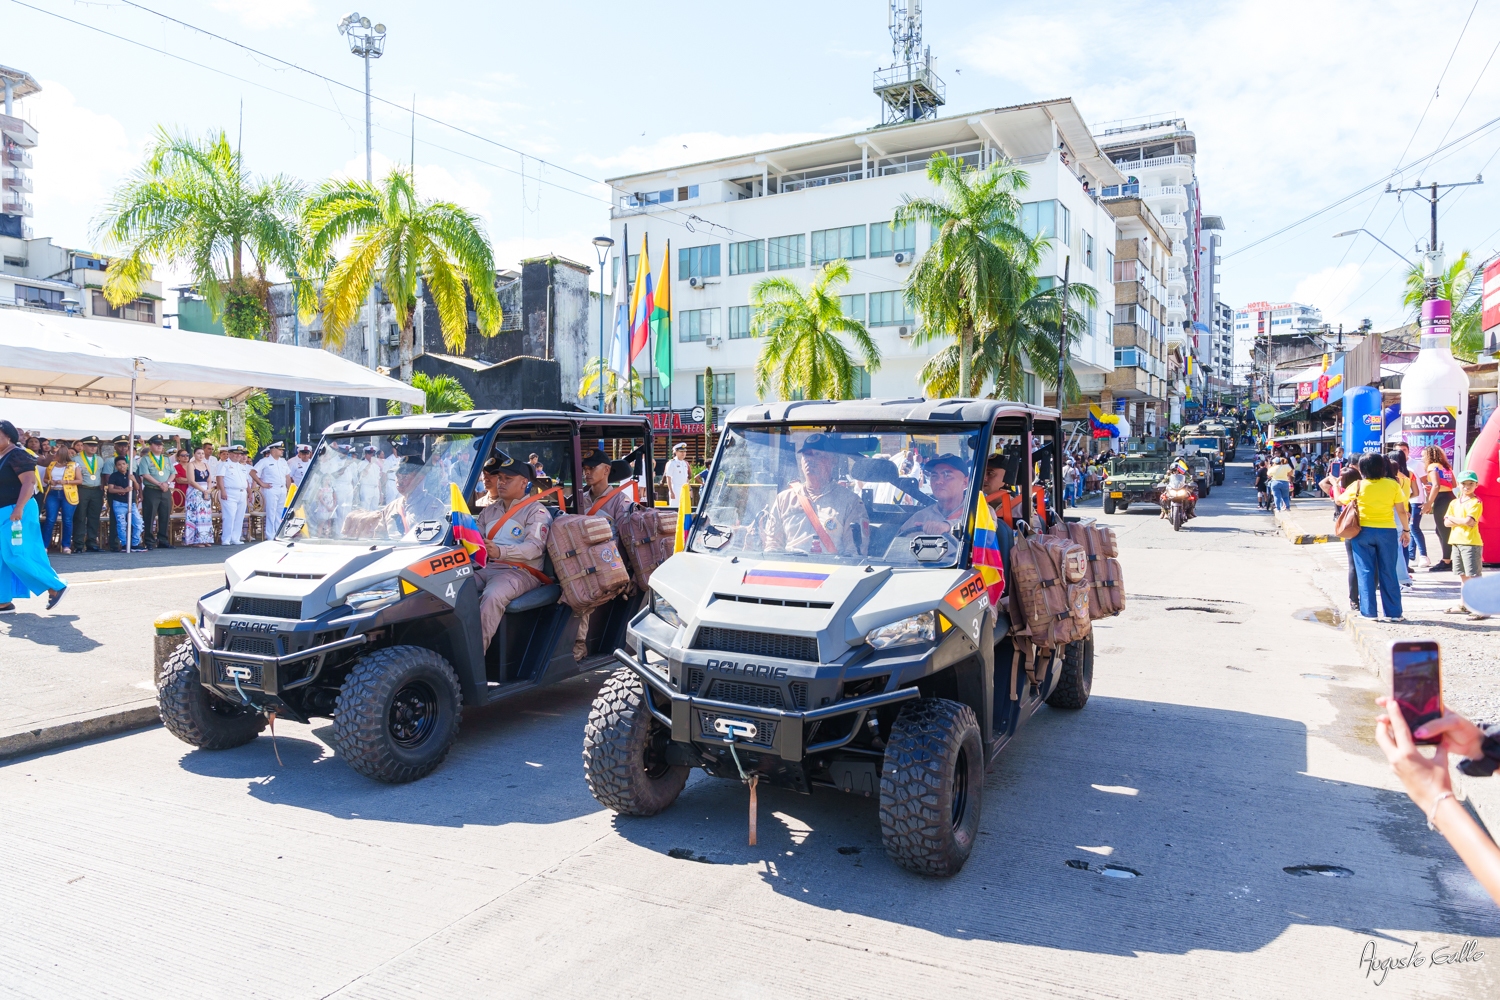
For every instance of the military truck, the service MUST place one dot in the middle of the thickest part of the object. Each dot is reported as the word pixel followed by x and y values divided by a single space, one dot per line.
pixel 1210 436
pixel 1135 477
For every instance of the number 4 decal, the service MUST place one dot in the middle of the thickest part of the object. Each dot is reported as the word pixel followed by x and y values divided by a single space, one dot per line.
pixel 450 593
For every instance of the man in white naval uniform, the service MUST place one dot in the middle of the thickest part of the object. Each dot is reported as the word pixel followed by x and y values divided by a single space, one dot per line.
pixel 274 477
pixel 234 494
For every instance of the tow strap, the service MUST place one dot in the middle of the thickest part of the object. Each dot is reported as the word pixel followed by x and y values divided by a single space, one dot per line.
pixel 750 779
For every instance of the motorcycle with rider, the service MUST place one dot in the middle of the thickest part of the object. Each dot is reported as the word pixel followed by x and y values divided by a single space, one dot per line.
pixel 1179 496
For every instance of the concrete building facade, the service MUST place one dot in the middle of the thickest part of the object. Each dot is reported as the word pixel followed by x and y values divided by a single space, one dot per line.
pixel 737 220
pixel 38 274
pixel 17 139
pixel 1142 259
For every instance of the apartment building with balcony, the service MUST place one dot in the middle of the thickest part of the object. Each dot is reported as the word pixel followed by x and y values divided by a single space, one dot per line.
pixel 1138 385
pixel 737 220
pixel 1159 161
pixel 37 274
pixel 17 138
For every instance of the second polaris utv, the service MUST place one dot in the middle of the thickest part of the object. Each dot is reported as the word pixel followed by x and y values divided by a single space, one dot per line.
pixel 827 628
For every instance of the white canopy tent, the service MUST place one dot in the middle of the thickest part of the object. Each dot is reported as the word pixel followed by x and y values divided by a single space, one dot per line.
pixel 45 356
pixel 52 419
pixel 49 356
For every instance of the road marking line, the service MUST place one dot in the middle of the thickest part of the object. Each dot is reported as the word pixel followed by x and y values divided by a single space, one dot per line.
pixel 143 579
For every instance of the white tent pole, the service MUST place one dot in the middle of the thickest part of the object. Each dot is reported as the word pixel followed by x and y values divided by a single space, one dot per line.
pixel 130 466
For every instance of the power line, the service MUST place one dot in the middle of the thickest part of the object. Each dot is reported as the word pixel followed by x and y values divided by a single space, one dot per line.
pixel 1370 186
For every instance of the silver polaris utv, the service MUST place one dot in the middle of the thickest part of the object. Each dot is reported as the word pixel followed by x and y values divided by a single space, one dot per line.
pixel 365 608
pixel 826 626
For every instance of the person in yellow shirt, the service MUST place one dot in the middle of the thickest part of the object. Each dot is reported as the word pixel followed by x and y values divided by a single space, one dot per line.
pixel 1280 476
pixel 1462 520
pixel 1382 503
pixel 61 483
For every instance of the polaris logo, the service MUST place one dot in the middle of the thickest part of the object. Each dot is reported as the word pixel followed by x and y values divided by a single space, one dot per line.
pixel 251 626
pixel 746 669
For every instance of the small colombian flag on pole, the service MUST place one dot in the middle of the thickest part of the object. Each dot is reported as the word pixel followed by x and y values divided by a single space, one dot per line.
pixel 465 528
pixel 684 517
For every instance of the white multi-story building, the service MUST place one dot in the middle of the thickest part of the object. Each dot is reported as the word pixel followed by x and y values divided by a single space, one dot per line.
pixel 17 138
pixel 737 220
pixel 1159 163
pixel 38 274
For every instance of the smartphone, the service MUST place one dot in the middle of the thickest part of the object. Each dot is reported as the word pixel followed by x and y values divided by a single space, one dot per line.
pixel 1417 683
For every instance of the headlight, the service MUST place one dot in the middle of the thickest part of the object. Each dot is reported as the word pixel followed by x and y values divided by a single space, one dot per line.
pixel 385 590
pixel 664 611
pixel 906 632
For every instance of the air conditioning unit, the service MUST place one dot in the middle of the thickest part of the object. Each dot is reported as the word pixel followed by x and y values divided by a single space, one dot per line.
pixel 713 341
pixel 903 332
pixel 902 258
pixel 696 282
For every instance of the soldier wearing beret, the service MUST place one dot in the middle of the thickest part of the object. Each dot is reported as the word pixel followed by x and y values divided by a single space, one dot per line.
pixel 597 498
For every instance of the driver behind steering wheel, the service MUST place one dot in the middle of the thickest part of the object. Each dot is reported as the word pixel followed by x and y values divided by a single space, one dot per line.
pixel 948 479
pixel 819 514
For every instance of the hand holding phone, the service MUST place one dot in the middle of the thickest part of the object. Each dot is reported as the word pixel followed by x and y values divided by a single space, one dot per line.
pixel 1417 684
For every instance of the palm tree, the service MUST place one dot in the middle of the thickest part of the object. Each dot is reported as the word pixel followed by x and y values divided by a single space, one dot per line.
pixel 1458 284
pixel 395 237
pixel 980 265
pixel 1028 336
pixel 193 205
pixel 803 351
pixel 445 394
pixel 618 393
pixel 215 425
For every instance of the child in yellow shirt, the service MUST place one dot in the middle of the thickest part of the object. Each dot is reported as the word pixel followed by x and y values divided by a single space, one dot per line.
pixel 1462 518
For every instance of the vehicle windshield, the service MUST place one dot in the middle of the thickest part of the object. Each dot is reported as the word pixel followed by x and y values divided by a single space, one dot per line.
pixel 386 489
pixel 1130 466
pixel 884 494
pixel 1209 443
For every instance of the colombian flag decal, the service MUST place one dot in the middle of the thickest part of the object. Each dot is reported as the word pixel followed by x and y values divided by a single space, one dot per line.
pixel 767 577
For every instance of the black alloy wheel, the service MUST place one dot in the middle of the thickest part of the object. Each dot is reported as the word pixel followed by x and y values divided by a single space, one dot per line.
pixel 397 713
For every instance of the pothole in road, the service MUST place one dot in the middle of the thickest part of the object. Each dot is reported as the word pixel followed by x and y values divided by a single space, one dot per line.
pixel 849 850
pixel 1328 871
pixel 1323 616
pixel 688 854
pixel 1108 871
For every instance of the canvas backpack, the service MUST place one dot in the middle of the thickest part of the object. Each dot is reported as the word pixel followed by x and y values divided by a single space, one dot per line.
pixel 1106 580
pixel 1050 591
pixel 648 536
pixel 587 560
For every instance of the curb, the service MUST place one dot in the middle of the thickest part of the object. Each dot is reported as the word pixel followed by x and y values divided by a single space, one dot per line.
pixel 53 737
pixel 1297 536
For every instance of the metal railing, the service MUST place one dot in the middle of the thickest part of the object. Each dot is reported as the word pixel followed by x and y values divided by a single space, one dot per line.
pixel 1174 220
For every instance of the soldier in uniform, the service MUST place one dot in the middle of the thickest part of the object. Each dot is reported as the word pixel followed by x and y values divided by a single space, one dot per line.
pixel 595 499
pixel 274 477
pixel 841 527
pixel 156 472
pixel 121 444
pixel 515 551
pixel 413 505
pixel 948 478
pixel 90 496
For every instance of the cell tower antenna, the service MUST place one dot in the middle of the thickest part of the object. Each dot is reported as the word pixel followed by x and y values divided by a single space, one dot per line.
pixel 908 89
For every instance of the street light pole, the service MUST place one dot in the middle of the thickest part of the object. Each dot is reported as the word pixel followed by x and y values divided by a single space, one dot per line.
pixel 367 41
pixel 601 248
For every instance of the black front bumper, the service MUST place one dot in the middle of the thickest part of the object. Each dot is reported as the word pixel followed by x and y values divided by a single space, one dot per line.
pixel 685 716
pixel 220 669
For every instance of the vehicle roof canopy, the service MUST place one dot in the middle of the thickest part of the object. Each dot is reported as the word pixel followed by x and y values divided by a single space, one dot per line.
pixel 910 410
pixel 479 421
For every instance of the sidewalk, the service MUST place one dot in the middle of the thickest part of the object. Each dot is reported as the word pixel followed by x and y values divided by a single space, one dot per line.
pixel 1309 522
pixel 1471 676
pixel 84 669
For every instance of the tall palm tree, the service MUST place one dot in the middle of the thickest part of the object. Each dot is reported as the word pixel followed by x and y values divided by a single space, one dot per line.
pixel 618 392
pixel 445 394
pixel 392 235
pixel 980 265
pixel 803 350
pixel 192 204
pixel 1027 336
pixel 1460 285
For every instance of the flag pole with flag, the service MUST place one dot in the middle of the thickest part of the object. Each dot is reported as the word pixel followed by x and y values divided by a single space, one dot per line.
pixel 465 528
pixel 619 347
pixel 661 320
pixel 641 302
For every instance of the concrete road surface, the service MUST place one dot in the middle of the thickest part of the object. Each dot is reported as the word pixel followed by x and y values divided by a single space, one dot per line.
pixel 1228 739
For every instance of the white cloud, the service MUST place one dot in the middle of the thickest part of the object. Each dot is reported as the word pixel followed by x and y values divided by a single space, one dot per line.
pixel 267 13
pixel 1330 290
pixel 81 156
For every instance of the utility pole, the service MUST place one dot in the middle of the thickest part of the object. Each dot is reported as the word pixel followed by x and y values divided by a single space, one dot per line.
pixel 1062 335
pixel 1430 193
pixel 367 41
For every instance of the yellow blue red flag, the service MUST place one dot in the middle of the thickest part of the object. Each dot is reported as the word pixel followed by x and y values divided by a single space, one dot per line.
pixel 465 528
pixel 987 553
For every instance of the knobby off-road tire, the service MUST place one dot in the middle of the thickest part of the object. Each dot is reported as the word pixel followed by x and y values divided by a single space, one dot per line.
pixel 1077 678
pixel 932 787
pixel 193 715
pixel 622 747
pixel 397 713
pixel 1109 505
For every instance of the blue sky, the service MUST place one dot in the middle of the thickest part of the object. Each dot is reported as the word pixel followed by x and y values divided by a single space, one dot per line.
pixel 1295 105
